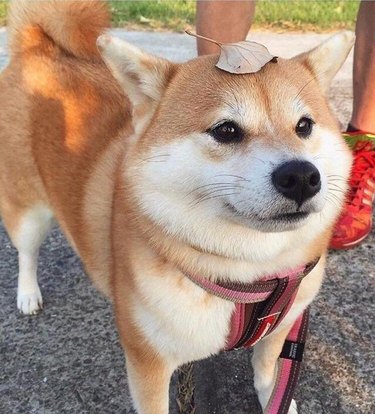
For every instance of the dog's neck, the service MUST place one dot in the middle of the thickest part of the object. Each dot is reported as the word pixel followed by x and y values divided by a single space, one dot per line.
pixel 194 259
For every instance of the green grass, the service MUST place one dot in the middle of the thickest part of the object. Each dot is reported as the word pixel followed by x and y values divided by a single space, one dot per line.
pixel 157 14
pixel 3 8
pixel 306 15
pixel 270 14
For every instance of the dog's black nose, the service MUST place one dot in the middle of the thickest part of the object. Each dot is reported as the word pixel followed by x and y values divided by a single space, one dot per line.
pixel 297 180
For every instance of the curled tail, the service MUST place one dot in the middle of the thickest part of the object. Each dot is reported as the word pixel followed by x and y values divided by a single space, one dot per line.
pixel 71 25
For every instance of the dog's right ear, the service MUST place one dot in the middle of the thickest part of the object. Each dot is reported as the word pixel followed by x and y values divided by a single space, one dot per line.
pixel 144 77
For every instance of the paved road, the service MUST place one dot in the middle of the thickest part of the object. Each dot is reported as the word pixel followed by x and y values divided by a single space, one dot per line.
pixel 68 358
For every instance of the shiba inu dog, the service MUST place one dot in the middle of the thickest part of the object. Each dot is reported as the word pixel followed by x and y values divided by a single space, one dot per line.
pixel 159 173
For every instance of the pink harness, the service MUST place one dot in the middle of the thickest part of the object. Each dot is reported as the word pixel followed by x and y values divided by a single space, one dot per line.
pixel 259 309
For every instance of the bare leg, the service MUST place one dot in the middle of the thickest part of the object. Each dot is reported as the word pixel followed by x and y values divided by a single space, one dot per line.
pixel 363 116
pixel 224 21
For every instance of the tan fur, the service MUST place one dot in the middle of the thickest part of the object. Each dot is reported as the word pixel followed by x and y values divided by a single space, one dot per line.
pixel 75 31
pixel 68 144
pixel 73 104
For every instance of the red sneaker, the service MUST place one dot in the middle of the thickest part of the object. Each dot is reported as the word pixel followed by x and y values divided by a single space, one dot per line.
pixel 355 222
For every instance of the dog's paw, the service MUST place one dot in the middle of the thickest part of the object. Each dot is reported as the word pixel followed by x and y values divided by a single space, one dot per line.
pixel 30 303
pixel 293 408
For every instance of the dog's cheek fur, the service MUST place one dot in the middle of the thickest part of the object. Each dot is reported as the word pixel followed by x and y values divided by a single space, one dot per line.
pixel 162 193
pixel 334 158
pixel 179 176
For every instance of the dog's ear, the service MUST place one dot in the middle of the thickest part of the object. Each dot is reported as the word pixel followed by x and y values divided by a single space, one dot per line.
pixel 326 59
pixel 144 77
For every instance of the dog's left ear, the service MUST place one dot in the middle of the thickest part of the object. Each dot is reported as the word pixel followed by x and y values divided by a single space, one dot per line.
pixel 143 77
pixel 325 60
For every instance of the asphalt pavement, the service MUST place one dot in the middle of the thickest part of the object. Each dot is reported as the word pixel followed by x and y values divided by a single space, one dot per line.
pixel 68 358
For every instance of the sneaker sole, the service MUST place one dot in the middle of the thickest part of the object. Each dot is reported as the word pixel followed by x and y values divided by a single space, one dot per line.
pixel 352 244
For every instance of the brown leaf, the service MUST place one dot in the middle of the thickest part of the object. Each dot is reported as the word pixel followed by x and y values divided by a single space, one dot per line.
pixel 243 57
pixel 240 57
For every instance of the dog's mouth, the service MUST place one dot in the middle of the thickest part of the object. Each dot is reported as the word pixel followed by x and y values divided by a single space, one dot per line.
pixel 289 217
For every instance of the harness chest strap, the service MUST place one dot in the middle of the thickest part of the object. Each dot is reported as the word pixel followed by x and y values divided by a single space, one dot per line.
pixel 259 309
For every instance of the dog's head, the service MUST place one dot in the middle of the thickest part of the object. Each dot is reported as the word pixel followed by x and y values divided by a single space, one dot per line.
pixel 258 151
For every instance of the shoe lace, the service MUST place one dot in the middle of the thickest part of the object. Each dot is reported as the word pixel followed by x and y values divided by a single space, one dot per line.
pixel 363 169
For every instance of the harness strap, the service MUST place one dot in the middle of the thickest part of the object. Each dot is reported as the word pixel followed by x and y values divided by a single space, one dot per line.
pixel 259 309
pixel 247 292
pixel 251 322
pixel 288 367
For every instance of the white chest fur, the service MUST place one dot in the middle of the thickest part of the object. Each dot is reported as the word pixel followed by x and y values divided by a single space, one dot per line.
pixel 181 319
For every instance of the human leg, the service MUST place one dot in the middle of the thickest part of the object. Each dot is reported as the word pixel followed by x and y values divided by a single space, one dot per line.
pixel 224 21
pixel 363 116
pixel 355 223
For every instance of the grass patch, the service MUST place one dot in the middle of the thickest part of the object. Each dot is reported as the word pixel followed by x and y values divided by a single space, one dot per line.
pixel 306 15
pixel 3 13
pixel 270 14
pixel 157 14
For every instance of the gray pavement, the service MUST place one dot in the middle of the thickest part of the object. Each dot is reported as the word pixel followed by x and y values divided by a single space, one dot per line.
pixel 68 358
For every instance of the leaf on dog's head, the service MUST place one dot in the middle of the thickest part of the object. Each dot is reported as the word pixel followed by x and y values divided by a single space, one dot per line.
pixel 241 57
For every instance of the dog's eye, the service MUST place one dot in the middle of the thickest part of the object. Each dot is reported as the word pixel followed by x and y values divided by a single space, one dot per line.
pixel 227 133
pixel 304 127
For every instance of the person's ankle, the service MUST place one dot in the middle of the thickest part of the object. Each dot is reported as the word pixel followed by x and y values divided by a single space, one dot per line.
pixel 352 127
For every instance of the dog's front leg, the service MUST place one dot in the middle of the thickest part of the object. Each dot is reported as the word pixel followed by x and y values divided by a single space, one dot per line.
pixel 265 356
pixel 148 377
